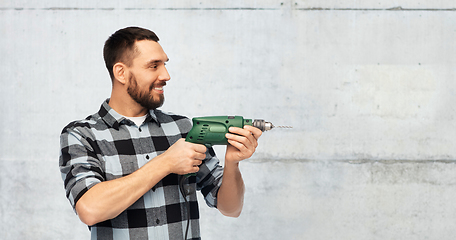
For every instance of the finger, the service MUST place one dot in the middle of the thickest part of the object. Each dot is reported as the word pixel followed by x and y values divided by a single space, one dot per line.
pixel 239 131
pixel 238 145
pixel 242 143
pixel 255 131
pixel 197 162
pixel 244 134
pixel 198 147
pixel 247 131
pixel 237 138
pixel 200 156
pixel 194 155
pixel 194 169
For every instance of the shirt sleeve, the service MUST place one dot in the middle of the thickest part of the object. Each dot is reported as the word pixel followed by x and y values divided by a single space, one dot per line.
pixel 209 178
pixel 79 165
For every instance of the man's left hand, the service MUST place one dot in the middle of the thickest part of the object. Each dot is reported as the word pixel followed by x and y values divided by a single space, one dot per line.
pixel 242 143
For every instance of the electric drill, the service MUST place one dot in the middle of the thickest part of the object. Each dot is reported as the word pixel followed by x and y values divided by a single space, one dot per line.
pixel 211 130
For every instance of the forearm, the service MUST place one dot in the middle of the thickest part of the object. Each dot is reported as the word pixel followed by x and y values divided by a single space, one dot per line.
pixel 230 197
pixel 106 200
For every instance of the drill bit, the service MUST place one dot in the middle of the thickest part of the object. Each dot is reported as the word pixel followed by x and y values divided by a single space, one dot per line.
pixel 266 126
pixel 282 126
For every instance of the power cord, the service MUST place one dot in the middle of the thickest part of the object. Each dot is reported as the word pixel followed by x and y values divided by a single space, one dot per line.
pixel 185 191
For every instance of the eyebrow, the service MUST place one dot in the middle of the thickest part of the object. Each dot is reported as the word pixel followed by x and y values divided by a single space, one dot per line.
pixel 155 61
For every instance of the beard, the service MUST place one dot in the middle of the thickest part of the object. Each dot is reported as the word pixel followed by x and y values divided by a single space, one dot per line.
pixel 144 98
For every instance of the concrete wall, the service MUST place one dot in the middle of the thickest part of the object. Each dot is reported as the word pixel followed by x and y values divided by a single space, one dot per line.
pixel 367 85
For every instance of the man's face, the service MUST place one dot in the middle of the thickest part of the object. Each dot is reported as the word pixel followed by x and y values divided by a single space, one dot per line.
pixel 148 75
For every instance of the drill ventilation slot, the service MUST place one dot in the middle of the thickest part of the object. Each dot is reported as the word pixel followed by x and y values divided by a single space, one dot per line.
pixel 203 132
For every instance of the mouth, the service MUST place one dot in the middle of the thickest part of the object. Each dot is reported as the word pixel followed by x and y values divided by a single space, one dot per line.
pixel 158 89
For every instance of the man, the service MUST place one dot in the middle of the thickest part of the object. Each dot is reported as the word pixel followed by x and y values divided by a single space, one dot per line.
pixel 122 165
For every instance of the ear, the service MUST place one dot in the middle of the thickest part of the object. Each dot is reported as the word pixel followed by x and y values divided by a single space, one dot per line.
pixel 120 72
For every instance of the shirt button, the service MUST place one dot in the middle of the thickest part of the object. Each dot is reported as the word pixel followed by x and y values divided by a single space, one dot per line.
pixel 147 157
pixel 140 130
pixel 157 221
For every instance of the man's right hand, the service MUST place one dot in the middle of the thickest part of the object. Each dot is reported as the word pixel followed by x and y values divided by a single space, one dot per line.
pixel 184 157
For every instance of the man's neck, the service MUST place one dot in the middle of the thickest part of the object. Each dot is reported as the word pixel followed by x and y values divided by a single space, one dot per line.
pixel 126 106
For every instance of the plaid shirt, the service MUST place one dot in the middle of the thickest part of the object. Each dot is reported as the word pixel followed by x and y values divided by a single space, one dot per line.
pixel 107 146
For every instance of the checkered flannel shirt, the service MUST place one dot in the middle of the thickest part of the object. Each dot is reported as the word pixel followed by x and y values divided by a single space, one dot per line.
pixel 106 146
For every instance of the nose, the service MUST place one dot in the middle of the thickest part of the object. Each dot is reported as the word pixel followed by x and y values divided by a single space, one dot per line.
pixel 164 75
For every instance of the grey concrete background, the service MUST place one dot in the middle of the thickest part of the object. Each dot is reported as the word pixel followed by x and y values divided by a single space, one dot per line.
pixel 367 85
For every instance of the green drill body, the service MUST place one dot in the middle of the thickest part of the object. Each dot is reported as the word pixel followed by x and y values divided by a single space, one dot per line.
pixel 211 131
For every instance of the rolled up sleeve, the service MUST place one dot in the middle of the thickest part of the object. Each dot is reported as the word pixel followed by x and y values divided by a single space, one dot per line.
pixel 79 165
pixel 209 178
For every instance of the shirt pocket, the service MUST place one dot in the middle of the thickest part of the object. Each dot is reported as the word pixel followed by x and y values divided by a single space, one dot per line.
pixel 118 166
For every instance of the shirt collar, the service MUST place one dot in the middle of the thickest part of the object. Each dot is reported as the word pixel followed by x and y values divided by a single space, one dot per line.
pixel 152 116
pixel 114 119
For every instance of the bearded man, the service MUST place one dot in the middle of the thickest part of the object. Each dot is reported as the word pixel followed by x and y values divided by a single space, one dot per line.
pixel 122 166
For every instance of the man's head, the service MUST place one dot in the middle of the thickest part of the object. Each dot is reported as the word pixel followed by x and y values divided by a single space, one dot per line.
pixel 136 63
pixel 120 46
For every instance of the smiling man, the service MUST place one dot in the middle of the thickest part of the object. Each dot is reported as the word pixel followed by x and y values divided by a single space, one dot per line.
pixel 122 165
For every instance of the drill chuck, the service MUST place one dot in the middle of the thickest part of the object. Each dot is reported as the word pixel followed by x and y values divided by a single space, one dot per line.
pixel 262 125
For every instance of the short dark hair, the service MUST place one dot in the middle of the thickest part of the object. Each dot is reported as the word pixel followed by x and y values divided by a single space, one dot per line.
pixel 120 46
